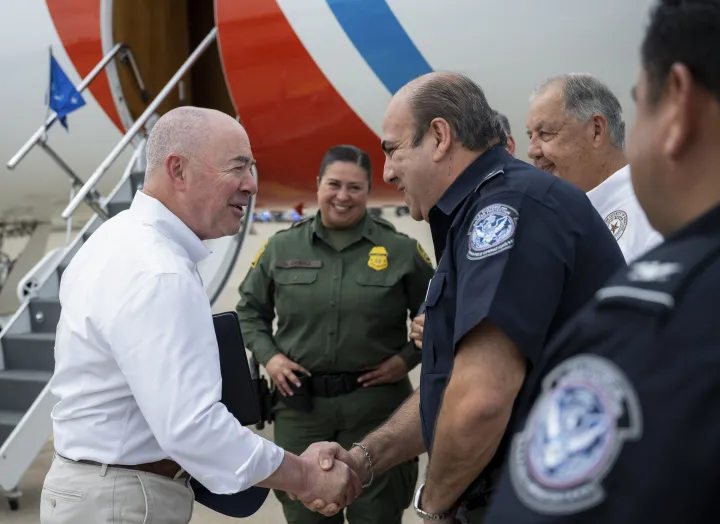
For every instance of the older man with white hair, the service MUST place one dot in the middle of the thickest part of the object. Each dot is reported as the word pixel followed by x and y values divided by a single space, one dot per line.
pixel 136 359
pixel 577 133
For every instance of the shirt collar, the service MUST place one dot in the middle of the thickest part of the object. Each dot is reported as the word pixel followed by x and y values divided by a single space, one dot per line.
pixel 483 168
pixel 152 212
pixel 364 228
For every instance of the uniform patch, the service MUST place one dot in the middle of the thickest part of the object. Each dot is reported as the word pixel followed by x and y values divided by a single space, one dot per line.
pixel 423 254
pixel 617 222
pixel 259 254
pixel 587 410
pixel 492 231
pixel 378 258
pixel 653 271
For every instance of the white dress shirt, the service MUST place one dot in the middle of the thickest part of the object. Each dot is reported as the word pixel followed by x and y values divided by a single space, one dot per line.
pixel 616 202
pixel 137 369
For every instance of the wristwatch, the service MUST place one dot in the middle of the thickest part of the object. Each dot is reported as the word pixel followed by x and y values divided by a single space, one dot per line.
pixel 424 514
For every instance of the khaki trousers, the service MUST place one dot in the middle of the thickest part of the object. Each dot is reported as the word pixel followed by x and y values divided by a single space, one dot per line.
pixel 75 493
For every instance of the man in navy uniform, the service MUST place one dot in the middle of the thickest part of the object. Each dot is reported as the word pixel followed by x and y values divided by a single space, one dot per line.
pixel 619 424
pixel 518 252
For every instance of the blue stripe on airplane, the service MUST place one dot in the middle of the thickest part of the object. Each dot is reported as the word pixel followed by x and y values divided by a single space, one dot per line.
pixel 381 40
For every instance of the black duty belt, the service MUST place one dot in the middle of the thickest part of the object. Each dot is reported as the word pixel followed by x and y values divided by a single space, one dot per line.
pixel 334 384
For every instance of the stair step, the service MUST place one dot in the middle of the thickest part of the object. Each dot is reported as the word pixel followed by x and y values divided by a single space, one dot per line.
pixel 116 207
pixel 29 351
pixel 19 388
pixel 8 421
pixel 44 315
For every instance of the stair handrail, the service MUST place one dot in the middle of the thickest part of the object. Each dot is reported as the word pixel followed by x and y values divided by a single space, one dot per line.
pixel 139 123
pixel 35 138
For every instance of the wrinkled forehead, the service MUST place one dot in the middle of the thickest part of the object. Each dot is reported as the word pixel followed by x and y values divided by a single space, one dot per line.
pixel 545 108
pixel 227 144
pixel 398 122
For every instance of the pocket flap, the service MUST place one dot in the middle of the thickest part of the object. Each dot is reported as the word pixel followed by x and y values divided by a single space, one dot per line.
pixel 437 283
pixel 295 276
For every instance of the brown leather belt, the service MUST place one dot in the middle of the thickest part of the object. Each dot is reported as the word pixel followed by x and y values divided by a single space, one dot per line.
pixel 165 467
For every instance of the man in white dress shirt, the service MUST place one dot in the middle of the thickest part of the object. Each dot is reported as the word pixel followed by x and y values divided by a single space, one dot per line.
pixel 136 359
pixel 577 132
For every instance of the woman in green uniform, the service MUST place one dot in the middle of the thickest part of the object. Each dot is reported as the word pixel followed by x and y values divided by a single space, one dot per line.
pixel 343 284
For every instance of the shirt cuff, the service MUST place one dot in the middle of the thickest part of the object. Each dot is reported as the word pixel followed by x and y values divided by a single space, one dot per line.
pixel 411 355
pixel 265 459
pixel 264 354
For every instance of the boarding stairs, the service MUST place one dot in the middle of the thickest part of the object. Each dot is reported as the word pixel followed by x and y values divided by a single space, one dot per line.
pixel 27 340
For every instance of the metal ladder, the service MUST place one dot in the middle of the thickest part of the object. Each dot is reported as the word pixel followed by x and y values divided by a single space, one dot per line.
pixel 27 341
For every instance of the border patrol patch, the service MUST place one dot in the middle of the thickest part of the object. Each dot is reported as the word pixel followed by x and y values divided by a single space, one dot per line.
pixel 423 254
pixel 259 254
pixel 574 434
pixel 378 258
pixel 617 222
pixel 492 231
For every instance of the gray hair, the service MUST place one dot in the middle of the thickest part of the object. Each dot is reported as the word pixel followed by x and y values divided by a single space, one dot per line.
pixel 584 96
pixel 462 103
pixel 180 130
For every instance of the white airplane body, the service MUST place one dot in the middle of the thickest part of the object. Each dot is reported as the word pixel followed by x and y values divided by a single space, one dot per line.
pixel 301 75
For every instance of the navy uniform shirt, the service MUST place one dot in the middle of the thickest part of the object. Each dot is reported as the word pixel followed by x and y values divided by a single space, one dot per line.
pixel 620 425
pixel 516 246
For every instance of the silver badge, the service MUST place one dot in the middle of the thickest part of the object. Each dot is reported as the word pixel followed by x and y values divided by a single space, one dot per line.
pixel 586 412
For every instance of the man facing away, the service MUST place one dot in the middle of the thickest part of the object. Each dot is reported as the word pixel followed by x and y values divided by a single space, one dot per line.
pixel 576 132
pixel 136 359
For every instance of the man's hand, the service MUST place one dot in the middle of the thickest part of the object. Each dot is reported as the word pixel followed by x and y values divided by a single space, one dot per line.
pixel 416 330
pixel 388 371
pixel 329 474
pixel 280 368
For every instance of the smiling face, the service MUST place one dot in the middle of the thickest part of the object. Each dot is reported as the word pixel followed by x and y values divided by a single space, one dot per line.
pixel 342 193
pixel 560 144
pixel 410 168
pixel 219 182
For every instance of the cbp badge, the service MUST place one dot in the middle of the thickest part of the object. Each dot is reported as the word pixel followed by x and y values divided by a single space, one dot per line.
pixel 586 412
pixel 378 258
pixel 616 222
pixel 492 231
pixel 259 254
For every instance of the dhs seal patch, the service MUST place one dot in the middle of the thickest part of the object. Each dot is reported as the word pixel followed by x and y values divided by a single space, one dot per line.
pixel 492 231
pixel 586 412
pixel 617 222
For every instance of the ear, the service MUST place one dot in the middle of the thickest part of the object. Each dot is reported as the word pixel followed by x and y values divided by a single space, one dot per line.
pixel 600 130
pixel 441 135
pixel 682 108
pixel 175 170
pixel 510 147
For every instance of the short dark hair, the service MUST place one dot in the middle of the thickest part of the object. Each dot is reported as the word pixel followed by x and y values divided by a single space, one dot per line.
pixel 685 31
pixel 347 153
pixel 504 122
pixel 462 103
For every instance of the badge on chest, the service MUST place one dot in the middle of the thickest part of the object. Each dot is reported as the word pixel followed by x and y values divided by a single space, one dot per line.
pixel 378 259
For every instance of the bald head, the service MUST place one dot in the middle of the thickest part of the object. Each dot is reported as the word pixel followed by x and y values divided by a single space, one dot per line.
pixel 199 166
pixel 185 130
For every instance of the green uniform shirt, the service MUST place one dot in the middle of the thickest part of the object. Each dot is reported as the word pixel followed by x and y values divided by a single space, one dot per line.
pixel 337 310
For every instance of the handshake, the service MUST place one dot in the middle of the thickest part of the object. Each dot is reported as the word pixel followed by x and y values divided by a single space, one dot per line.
pixel 333 477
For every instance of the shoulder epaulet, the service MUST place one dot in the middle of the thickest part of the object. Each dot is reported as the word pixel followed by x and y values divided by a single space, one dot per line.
pixel 303 220
pixel 385 223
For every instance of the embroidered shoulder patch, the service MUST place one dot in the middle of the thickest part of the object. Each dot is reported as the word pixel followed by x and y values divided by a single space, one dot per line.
pixel 259 254
pixel 617 222
pixel 423 254
pixel 585 413
pixel 492 231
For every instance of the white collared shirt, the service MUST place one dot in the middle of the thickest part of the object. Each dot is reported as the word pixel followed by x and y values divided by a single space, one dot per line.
pixel 137 369
pixel 616 202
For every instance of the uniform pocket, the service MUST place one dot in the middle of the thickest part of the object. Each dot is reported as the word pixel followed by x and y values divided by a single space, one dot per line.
pixel 289 277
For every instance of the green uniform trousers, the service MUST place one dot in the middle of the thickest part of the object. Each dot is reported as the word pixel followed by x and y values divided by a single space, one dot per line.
pixel 346 419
